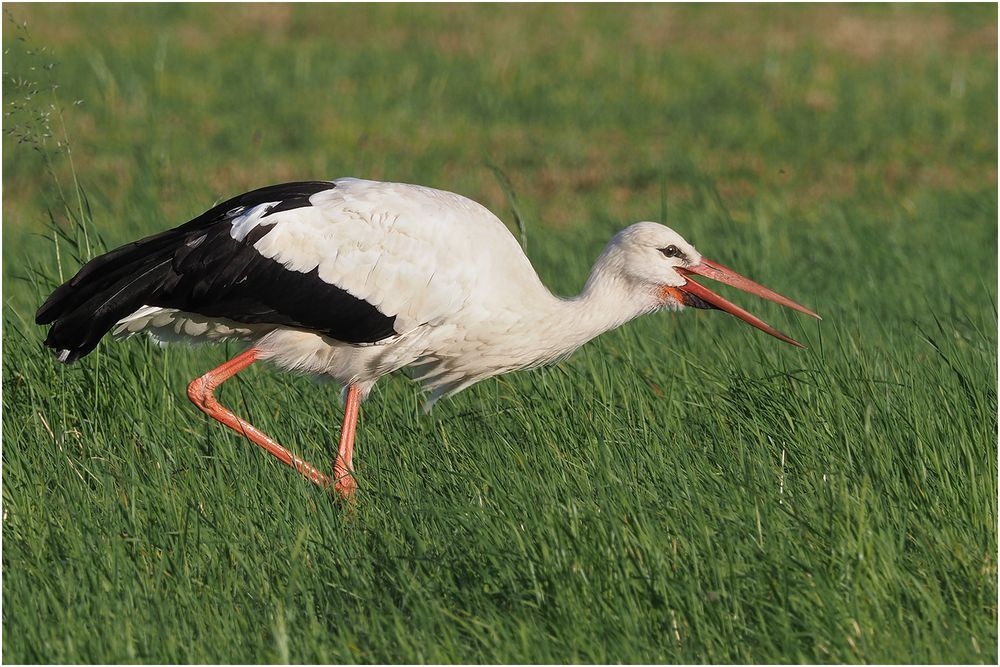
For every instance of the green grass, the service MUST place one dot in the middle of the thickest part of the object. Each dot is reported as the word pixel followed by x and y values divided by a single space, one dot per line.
pixel 684 489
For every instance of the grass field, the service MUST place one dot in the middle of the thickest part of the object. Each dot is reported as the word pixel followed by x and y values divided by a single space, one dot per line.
pixel 683 489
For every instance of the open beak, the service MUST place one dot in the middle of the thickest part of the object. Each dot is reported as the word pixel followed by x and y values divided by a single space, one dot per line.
pixel 698 296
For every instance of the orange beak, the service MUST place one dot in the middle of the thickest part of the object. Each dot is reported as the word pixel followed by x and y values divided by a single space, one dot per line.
pixel 698 296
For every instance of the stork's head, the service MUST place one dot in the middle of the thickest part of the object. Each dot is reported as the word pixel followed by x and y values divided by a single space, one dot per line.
pixel 657 260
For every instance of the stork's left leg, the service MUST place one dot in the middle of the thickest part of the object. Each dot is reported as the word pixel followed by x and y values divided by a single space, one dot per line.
pixel 201 391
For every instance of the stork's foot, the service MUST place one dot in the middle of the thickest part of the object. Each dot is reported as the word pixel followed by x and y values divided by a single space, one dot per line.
pixel 344 486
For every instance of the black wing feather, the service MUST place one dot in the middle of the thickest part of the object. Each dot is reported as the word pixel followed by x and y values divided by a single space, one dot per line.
pixel 199 267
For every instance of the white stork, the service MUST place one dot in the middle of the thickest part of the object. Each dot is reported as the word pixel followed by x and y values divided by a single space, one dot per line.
pixel 353 279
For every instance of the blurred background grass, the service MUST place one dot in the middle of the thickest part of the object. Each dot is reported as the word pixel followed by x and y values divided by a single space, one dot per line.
pixel 681 490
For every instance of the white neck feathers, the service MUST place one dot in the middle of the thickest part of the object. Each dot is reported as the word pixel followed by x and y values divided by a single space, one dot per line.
pixel 607 301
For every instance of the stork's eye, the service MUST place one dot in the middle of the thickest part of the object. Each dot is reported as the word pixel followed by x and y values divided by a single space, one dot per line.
pixel 671 251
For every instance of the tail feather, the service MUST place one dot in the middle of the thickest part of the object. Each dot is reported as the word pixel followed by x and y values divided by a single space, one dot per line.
pixel 81 314
pixel 102 273
pixel 114 285
pixel 148 272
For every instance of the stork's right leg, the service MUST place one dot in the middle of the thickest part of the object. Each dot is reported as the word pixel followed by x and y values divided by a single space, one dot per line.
pixel 202 393
pixel 343 466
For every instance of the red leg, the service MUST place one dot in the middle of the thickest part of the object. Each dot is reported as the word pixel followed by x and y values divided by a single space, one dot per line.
pixel 202 393
pixel 343 466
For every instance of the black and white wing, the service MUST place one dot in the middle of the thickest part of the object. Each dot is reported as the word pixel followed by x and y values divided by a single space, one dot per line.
pixel 209 266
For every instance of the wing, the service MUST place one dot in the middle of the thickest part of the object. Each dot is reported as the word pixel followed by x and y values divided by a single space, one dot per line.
pixel 219 271
pixel 209 266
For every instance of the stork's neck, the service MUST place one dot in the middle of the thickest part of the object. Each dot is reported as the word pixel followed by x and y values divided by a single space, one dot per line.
pixel 606 302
